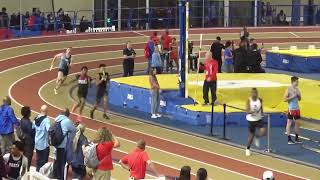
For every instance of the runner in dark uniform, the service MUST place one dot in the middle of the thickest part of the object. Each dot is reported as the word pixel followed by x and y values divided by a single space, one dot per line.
pixel 64 66
pixel 103 84
pixel 84 82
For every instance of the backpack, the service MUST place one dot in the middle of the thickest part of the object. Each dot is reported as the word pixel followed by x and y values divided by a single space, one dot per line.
pixel 55 134
pixel 147 51
pixel 90 156
pixel 20 133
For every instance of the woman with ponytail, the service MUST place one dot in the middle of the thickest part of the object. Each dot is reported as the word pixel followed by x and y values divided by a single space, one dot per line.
pixel 75 154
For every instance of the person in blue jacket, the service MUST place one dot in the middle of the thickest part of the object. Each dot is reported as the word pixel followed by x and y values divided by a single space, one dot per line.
pixel 68 128
pixel 7 122
pixel 156 62
pixel 75 157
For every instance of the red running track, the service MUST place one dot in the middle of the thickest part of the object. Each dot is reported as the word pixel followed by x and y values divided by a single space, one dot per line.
pixel 35 102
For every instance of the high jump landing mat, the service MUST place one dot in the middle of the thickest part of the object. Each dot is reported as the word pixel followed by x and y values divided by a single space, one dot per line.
pixel 233 90
pixel 299 60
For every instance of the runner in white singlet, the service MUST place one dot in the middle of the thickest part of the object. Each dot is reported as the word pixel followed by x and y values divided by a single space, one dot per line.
pixel 254 117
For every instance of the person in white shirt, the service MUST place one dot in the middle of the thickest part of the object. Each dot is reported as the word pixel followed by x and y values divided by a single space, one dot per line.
pixel 16 161
pixel 254 117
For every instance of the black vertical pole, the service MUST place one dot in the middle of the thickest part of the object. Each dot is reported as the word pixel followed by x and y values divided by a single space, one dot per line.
pixel 211 126
pixel 224 136
pixel 224 120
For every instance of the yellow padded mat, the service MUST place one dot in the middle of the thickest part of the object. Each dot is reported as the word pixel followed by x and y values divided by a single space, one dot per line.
pixel 234 89
pixel 299 52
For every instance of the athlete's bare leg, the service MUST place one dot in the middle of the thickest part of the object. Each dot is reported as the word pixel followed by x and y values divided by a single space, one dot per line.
pixel 105 107
pixel 105 104
pixel 262 132
pixel 297 126
pixel 81 104
pixel 288 128
pixel 60 80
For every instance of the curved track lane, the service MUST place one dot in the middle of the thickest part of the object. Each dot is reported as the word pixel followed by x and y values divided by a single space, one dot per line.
pixel 33 83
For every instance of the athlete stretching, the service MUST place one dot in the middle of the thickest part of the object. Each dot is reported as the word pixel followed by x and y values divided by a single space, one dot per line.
pixel 64 67
pixel 103 84
pixel 84 82
pixel 293 96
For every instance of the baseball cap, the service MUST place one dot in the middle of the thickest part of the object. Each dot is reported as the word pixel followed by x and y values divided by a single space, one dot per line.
pixel 268 175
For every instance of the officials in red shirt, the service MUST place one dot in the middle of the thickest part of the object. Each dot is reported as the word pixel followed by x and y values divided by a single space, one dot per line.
pixel 210 82
pixel 166 40
pixel 136 162
pixel 155 38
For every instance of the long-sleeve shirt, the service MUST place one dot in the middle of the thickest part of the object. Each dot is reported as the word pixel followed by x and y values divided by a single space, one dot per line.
pixel 7 119
pixel 67 128
pixel 156 60
pixel 211 69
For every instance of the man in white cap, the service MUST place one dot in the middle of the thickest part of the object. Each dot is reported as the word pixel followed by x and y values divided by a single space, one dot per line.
pixel 268 175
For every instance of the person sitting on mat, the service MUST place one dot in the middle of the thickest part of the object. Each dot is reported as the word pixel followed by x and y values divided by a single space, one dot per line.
pixel 210 82
pixel 293 96
pixel 254 117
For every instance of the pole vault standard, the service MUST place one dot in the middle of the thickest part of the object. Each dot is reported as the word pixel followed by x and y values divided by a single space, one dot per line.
pixel 183 51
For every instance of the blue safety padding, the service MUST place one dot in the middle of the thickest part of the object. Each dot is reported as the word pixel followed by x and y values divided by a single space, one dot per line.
pixel 25 33
pixel 293 63
pixel 126 96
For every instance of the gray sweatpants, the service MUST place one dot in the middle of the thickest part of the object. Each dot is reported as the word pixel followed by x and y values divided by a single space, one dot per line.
pixel 155 102
pixel 6 141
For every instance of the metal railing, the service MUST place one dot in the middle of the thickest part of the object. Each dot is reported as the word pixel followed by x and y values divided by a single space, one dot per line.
pixel 224 131
pixel 210 15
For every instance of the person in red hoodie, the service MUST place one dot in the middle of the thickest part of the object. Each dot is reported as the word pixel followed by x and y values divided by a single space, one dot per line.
pixel 210 82
pixel 166 40
pixel 154 37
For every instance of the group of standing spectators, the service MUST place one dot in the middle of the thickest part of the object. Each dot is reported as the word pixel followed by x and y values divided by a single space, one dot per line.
pixel 37 20
pixel 269 17
pixel 244 59
pixel 38 134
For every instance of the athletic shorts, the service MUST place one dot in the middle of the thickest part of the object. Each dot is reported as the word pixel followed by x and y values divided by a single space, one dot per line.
pixel 82 95
pixel 294 114
pixel 100 94
pixel 255 124
pixel 65 72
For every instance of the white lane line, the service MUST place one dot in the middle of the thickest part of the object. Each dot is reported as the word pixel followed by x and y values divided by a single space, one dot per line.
pixel 49 50
pixel 61 42
pixel 172 141
pixel 294 34
pixel 4 71
pixel 39 94
pixel 140 33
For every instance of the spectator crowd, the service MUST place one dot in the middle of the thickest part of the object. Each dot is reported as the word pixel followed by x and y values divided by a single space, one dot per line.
pixel 40 21
pixel 86 158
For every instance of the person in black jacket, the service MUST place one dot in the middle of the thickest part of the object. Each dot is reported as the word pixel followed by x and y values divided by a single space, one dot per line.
pixel 240 55
pixel 29 133
pixel 254 60
pixel 216 50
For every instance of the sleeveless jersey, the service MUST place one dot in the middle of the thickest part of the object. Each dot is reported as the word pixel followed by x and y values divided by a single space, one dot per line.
pixel 293 104
pixel 103 84
pixel 14 167
pixel 256 107
pixel 64 62
pixel 83 84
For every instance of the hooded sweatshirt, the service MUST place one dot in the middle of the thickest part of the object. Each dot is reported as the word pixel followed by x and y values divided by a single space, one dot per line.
pixel 7 120
pixel 67 128
pixel 42 125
